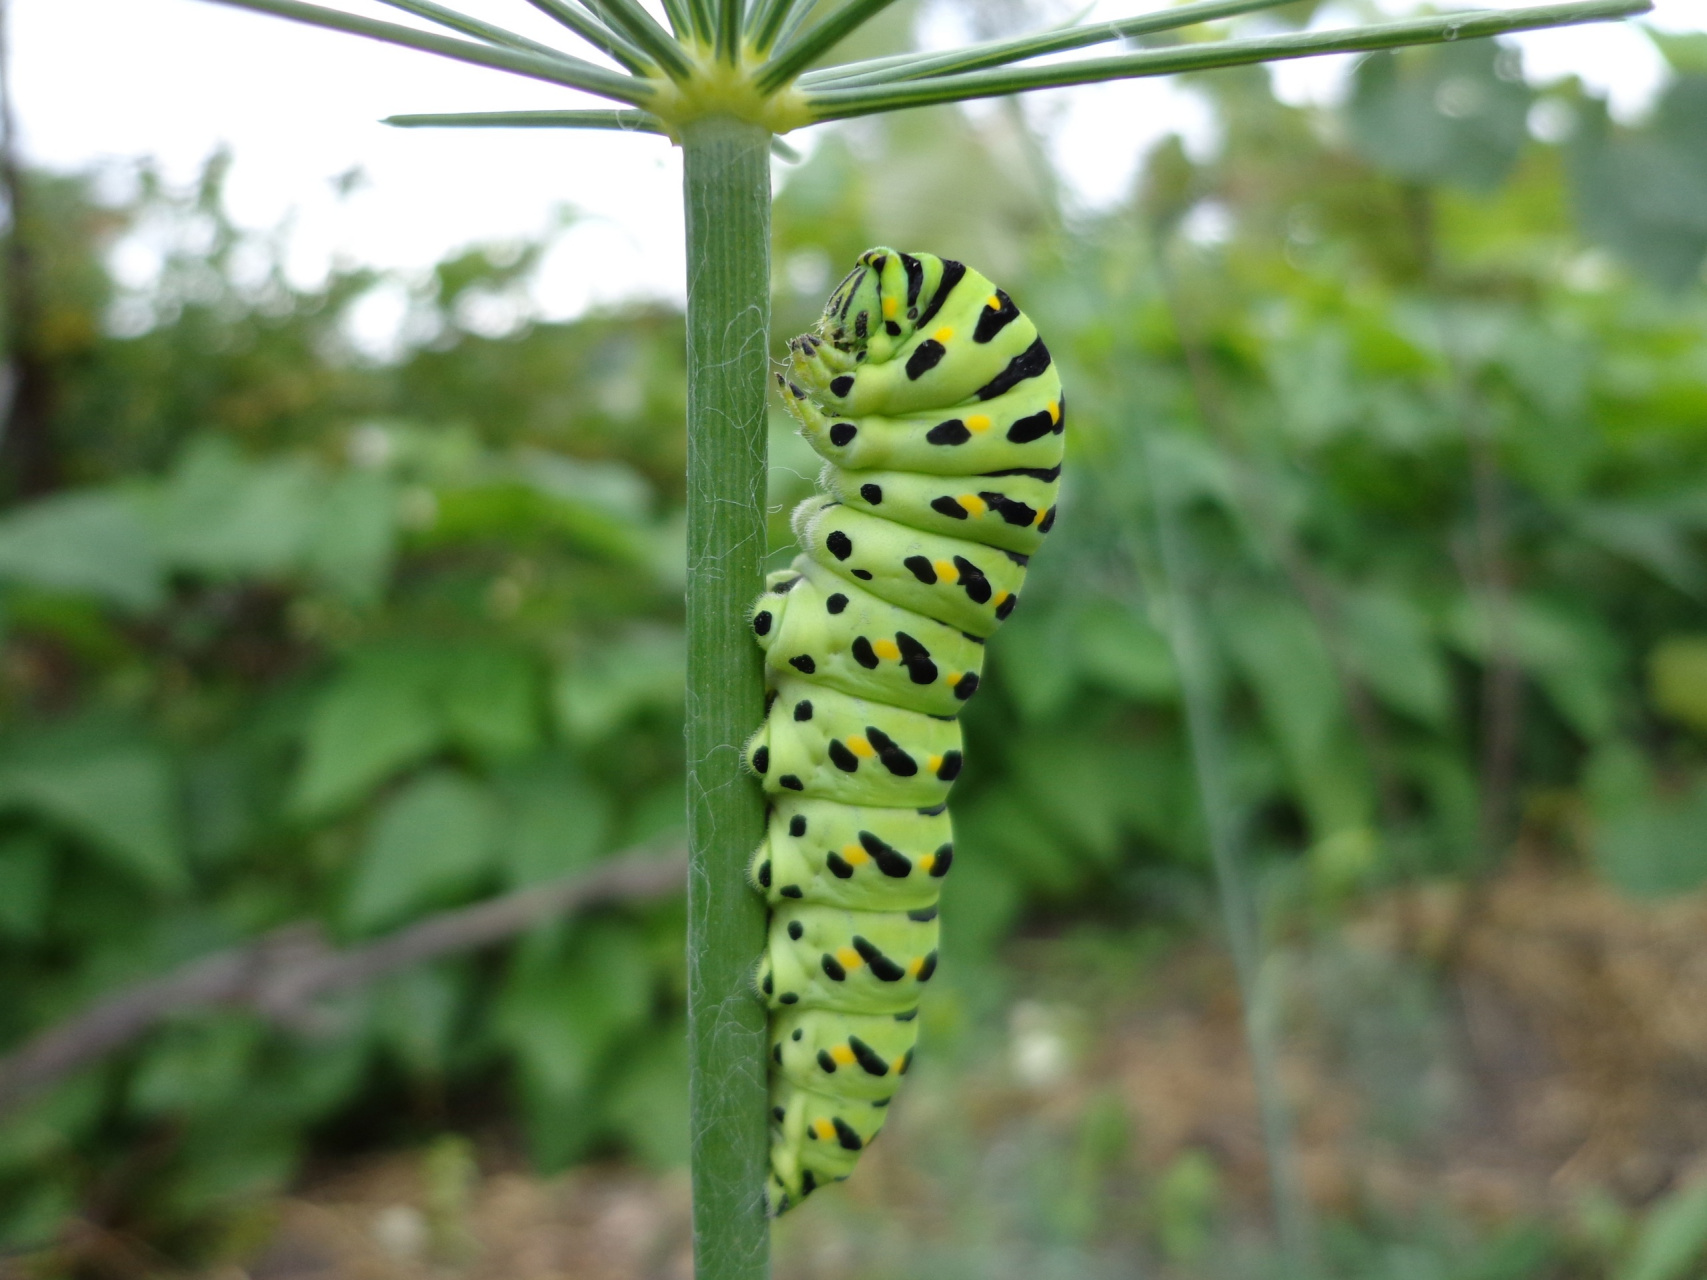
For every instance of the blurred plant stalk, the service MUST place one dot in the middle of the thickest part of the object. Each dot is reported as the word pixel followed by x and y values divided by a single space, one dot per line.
pixel 722 80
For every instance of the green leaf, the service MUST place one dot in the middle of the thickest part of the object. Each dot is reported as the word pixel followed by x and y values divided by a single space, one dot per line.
pixel 561 1018
pixel 1389 644
pixel 1677 680
pixel 26 884
pixel 1652 535
pixel 1643 192
pixel 1672 1239
pixel 121 798
pixel 1652 845
pixel 981 901
pixel 433 840
pixel 355 536
pixel 1034 663
pixel 227 1160
pixel 195 1068
pixel 648 1104
pixel 396 704
pixel 1024 842
pixel 1443 114
pixel 603 690
pixel 418 1014
pixel 222 515
pixel 55 1124
pixel 1276 644
pixel 90 543
pixel 492 701
pixel 559 822
pixel 374 719
pixel 1124 653
pixel 1568 652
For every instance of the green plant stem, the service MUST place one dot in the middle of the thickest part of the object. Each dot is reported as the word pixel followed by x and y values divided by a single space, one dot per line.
pixel 561 69
pixel 1189 644
pixel 727 183
pixel 995 53
pixel 837 104
pixel 620 121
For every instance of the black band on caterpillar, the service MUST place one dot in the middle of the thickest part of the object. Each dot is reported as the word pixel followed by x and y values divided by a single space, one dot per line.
pixel 939 411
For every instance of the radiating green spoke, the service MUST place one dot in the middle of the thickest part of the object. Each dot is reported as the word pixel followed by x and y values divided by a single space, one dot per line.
pixel 620 121
pixel 838 104
pixel 639 26
pixel 681 21
pixel 764 22
pixel 559 69
pixel 594 33
pixel 700 13
pixel 795 56
pixel 731 17
pixel 995 53
pixel 471 26
pixel 799 11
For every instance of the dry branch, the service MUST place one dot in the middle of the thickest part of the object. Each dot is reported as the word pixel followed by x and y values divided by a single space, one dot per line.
pixel 282 974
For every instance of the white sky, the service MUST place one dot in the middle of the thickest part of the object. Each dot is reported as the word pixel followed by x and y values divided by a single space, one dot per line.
pixel 100 80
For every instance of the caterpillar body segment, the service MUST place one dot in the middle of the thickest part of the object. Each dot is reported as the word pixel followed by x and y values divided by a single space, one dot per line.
pixel 956 581
pixel 963 440
pixel 833 747
pixel 841 855
pixel 939 415
pixel 1001 511
pixel 854 643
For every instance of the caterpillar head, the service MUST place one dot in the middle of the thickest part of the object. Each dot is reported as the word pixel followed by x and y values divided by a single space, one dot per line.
pixel 868 314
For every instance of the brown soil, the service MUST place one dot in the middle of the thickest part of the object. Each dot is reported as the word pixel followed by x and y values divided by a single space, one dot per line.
pixel 1567 1051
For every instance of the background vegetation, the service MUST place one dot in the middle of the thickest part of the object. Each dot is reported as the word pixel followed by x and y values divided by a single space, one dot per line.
pixel 1401 406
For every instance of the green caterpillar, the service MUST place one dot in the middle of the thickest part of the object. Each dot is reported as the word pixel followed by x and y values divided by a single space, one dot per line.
pixel 939 415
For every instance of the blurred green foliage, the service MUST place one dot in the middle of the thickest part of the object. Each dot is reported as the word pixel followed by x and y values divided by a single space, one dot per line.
pixel 307 634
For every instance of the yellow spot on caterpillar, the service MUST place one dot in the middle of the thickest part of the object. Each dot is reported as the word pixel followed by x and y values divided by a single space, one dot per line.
pixel 915 964
pixel 993 302
pixel 951 679
pixel 1038 519
pixel 946 571
pixel 860 747
pixel 927 862
pixel 823 1129
pixel 850 958
pixel 943 334
pixel 935 763
pixel 842 1055
pixel 890 307
pixel 977 422
pixel 899 1066
pixel 1001 598
pixel 973 503
pixel 854 855
pixel 1054 411
pixel 886 649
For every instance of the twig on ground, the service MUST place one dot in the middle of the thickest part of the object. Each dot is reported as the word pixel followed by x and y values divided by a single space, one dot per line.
pixel 282 974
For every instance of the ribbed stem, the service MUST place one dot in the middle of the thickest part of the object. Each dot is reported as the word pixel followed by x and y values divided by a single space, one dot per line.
pixel 1205 734
pixel 728 196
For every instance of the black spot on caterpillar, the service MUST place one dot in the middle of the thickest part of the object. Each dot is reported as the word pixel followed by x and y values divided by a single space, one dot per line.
pixel 885 615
